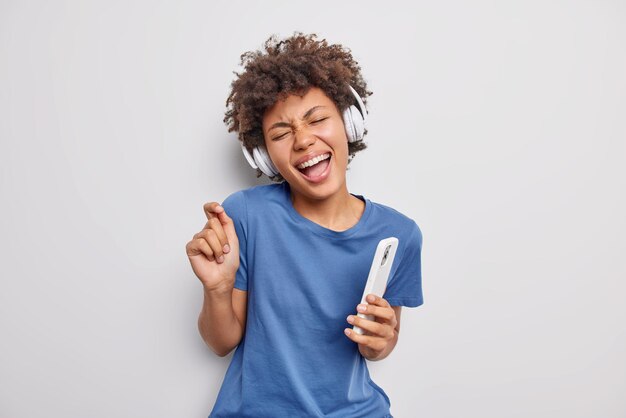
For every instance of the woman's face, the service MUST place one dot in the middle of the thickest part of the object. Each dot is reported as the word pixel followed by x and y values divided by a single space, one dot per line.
pixel 298 129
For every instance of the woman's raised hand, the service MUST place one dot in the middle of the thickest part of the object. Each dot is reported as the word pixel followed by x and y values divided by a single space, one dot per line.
pixel 214 251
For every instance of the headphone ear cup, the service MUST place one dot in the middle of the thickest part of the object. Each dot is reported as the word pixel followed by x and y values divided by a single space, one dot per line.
pixel 359 123
pixel 355 125
pixel 349 125
pixel 249 157
pixel 259 159
pixel 264 162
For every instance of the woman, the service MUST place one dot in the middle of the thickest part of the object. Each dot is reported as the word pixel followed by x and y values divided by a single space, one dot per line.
pixel 284 265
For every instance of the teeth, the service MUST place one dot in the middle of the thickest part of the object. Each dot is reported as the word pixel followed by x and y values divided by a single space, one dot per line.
pixel 313 161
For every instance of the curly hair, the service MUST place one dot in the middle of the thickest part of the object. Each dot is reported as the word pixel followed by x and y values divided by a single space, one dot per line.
pixel 286 67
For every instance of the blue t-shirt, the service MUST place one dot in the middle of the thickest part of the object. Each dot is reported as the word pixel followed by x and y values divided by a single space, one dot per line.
pixel 303 280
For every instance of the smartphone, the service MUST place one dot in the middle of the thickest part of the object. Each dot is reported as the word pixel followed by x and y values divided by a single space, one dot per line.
pixel 379 273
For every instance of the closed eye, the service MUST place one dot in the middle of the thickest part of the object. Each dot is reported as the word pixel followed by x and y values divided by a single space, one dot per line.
pixel 279 136
pixel 312 123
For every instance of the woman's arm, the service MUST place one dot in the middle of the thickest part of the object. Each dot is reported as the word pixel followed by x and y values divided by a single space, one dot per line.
pixel 214 256
pixel 222 320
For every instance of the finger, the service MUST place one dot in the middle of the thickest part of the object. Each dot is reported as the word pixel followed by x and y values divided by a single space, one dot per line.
pixel 373 327
pixel 206 249
pixel 216 246
pixel 199 246
pixel 215 210
pixel 211 209
pixel 377 300
pixel 215 225
pixel 375 343
pixel 386 313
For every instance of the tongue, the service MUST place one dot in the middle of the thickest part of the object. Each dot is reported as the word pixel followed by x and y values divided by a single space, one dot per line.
pixel 317 169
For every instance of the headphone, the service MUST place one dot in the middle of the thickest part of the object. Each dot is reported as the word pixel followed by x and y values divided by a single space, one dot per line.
pixel 353 120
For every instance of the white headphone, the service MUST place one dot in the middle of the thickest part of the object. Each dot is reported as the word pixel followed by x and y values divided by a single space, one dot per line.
pixel 353 119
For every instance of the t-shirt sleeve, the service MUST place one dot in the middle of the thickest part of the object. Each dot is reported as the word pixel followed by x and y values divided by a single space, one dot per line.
pixel 236 207
pixel 405 287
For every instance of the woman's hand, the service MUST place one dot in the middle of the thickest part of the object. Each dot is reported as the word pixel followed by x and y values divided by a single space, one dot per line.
pixel 214 251
pixel 379 336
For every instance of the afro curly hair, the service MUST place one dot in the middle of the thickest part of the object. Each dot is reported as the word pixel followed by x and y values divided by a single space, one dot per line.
pixel 285 67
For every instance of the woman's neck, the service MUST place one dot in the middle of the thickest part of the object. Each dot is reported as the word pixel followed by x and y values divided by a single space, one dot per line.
pixel 338 212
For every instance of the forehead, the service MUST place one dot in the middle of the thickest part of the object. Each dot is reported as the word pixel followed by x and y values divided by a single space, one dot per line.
pixel 294 106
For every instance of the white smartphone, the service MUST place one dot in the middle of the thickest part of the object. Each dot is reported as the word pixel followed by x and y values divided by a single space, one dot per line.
pixel 379 273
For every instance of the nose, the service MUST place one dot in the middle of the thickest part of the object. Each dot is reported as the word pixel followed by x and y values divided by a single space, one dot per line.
pixel 303 139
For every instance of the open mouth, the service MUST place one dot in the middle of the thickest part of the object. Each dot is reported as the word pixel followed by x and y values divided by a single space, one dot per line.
pixel 316 168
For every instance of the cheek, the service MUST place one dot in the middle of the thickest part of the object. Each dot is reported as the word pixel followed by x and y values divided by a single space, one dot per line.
pixel 278 151
pixel 326 131
pixel 333 132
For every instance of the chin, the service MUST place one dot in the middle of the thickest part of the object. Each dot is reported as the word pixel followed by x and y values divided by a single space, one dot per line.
pixel 318 191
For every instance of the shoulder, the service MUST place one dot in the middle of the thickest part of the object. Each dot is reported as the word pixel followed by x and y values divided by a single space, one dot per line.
pixel 403 226
pixel 394 217
pixel 256 194
pixel 252 198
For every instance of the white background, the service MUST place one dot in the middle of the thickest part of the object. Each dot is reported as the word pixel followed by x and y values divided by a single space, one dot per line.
pixel 499 127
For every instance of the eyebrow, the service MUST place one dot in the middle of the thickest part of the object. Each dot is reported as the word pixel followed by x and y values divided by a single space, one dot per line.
pixel 285 124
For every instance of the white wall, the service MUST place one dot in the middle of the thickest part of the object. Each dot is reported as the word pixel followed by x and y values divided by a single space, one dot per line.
pixel 497 126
